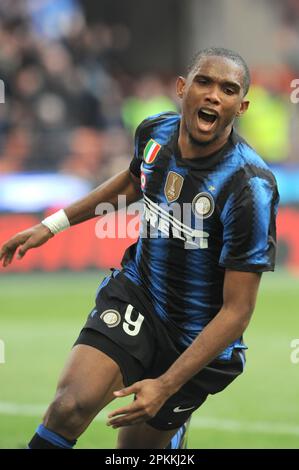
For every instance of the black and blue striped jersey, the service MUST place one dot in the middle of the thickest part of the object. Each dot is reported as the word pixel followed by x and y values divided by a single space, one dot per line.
pixel 200 217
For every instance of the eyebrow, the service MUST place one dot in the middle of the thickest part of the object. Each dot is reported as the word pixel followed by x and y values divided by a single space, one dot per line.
pixel 223 82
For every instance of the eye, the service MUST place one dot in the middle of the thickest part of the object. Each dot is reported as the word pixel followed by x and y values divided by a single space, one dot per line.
pixel 229 90
pixel 201 80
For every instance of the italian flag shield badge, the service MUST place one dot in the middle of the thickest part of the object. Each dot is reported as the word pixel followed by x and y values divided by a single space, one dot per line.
pixel 151 150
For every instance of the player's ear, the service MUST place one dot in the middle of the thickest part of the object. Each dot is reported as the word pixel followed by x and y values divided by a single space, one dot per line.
pixel 180 86
pixel 243 108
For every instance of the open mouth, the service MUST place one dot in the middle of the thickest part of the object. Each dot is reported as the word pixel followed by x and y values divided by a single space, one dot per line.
pixel 207 118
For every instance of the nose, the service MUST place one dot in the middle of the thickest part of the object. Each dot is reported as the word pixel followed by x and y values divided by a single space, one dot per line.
pixel 212 95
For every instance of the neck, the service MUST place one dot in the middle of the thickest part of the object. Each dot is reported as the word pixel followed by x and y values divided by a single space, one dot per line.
pixel 192 149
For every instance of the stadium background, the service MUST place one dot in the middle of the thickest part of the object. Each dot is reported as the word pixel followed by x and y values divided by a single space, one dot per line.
pixel 78 77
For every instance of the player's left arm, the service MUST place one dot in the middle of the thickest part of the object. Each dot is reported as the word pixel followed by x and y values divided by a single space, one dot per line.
pixel 239 297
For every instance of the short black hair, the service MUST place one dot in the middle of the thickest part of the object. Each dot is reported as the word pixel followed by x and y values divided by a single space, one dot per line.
pixel 228 54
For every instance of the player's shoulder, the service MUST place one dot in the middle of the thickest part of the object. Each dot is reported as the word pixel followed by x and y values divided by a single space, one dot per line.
pixel 250 162
pixel 158 125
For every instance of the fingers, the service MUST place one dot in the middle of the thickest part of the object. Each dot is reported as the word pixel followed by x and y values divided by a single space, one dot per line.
pixel 7 253
pixel 133 407
pixel 2 251
pixel 22 251
pixel 127 415
pixel 128 420
pixel 124 392
pixel 134 413
pixel 9 248
pixel 7 259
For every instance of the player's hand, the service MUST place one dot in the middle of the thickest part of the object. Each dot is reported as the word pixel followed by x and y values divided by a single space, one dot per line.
pixel 150 396
pixel 30 238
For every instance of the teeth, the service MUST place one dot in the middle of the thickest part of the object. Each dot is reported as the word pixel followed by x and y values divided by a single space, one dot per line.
pixel 206 111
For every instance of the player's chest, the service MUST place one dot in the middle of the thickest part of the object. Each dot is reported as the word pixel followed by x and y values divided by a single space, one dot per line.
pixel 170 184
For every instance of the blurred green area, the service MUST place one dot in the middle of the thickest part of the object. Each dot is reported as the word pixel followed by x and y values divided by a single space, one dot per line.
pixel 42 314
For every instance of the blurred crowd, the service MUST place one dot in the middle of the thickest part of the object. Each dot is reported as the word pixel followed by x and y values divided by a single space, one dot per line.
pixel 70 108
pixel 272 122
pixel 67 108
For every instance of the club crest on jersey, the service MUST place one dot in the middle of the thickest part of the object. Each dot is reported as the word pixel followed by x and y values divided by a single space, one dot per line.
pixel 111 318
pixel 173 186
pixel 151 151
pixel 203 205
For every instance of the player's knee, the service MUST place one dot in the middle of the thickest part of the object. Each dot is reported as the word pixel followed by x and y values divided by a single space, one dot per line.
pixel 66 413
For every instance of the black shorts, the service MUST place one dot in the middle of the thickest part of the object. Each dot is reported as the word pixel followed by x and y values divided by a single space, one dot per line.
pixel 124 326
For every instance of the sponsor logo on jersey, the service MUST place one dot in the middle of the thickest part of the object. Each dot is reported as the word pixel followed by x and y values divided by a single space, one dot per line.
pixel 173 186
pixel 203 205
pixel 111 318
pixel 160 220
pixel 178 409
pixel 151 151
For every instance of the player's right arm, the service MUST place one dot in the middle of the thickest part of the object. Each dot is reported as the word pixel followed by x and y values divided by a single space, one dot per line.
pixel 124 183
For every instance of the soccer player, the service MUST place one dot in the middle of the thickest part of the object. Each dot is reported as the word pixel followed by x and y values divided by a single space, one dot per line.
pixel 168 326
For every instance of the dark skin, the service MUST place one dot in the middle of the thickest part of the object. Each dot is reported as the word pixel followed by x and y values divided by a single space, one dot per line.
pixel 240 291
pixel 84 209
pixel 215 83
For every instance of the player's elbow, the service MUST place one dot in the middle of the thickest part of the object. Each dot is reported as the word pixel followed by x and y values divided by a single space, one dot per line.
pixel 241 315
pixel 245 316
pixel 244 322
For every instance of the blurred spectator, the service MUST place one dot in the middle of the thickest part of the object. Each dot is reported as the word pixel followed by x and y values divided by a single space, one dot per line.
pixel 53 19
pixel 86 154
pixel 266 125
pixel 149 98
pixel 287 35
pixel 52 86
pixel 73 108
pixel 16 150
pixel 118 152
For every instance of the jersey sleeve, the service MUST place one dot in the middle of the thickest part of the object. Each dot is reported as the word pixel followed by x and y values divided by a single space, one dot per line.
pixel 249 227
pixel 138 149
pixel 147 130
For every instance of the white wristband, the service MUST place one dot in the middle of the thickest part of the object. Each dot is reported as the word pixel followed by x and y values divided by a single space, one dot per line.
pixel 57 222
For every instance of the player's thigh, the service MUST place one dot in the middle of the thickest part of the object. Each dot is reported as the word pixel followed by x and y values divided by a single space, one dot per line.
pixel 143 436
pixel 90 376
